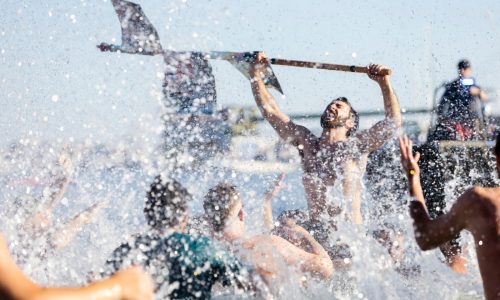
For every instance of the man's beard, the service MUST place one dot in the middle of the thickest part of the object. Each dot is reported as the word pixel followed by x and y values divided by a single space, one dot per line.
pixel 333 123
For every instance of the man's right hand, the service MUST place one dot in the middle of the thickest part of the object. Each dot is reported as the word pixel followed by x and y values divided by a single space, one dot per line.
pixel 408 160
pixel 135 284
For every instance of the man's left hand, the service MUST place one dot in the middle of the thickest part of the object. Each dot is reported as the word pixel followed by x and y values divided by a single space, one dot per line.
pixel 374 71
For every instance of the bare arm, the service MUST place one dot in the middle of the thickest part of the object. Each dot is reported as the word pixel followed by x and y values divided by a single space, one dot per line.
pixel 57 189
pixel 377 135
pixel 130 284
pixel 268 198
pixel 281 123
pixel 65 235
pixel 13 283
pixel 430 233
pixel 318 263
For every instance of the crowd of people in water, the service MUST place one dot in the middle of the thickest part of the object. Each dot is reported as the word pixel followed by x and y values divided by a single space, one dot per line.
pixel 187 257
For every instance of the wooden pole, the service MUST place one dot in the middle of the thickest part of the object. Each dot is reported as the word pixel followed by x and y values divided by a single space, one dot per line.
pixel 323 66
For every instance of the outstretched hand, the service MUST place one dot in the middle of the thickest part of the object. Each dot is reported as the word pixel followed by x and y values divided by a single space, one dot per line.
pixel 409 161
pixel 374 72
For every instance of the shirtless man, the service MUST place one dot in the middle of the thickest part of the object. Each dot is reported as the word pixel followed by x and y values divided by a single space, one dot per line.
pixel 177 260
pixel 340 152
pixel 225 215
pixel 128 284
pixel 477 210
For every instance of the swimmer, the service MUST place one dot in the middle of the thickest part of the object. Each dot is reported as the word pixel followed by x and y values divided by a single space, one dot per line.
pixel 224 212
pixel 477 210
pixel 177 260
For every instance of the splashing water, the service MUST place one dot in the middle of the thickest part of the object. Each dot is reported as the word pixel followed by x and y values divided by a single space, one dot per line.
pixel 119 174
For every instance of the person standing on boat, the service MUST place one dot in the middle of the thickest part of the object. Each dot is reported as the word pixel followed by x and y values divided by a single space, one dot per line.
pixel 476 211
pixel 457 115
pixel 458 119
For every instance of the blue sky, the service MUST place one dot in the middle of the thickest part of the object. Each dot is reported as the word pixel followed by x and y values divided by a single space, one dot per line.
pixel 55 83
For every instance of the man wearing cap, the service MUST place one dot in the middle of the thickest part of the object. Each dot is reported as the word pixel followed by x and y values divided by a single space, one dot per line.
pixel 457 117
pixel 457 120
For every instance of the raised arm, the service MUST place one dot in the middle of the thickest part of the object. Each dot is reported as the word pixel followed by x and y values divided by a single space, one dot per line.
pixel 381 132
pixel 63 236
pixel 281 123
pixel 430 233
pixel 267 208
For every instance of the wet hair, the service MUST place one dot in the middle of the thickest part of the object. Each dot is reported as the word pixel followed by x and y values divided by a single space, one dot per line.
pixel 166 203
pixel 218 203
pixel 463 64
pixel 352 114
pixel 497 146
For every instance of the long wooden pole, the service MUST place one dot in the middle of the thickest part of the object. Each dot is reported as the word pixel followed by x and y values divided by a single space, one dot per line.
pixel 324 66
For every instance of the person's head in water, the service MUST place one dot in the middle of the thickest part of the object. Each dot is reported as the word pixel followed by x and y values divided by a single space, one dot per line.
pixel 166 205
pixel 224 211
pixel 464 68
pixel 339 113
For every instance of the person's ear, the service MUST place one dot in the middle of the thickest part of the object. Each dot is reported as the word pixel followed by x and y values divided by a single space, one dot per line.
pixel 241 215
pixel 349 123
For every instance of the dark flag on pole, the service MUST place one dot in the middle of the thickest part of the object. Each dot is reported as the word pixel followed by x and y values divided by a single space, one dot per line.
pixel 189 83
pixel 241 61
pixel 138 34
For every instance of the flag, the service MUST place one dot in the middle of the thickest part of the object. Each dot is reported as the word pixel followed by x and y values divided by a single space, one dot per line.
pixel 138 34
pixel 241 61
pixel 189 82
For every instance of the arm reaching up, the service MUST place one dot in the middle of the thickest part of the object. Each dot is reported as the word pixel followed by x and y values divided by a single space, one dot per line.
pixel 270 110
pixel 431 233
pixel 381 132
pixel 65 235
pixel 276 187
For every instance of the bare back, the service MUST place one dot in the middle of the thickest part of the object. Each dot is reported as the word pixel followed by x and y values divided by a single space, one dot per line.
pixel 478 211
pixel 484 224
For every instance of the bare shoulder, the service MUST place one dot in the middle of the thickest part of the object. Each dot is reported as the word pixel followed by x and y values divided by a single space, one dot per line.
pixel 481 200
pixel 255 240
pixel 300 130
pixel 482 193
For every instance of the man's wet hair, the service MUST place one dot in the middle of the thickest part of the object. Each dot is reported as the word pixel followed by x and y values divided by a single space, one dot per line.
pixel 463 64
pixel 352 114
pixel 218 203
pixel 166 203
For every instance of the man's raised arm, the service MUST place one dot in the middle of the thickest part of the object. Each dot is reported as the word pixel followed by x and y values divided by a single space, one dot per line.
pixel 381 132
pixel 281 123
pixel 430 233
